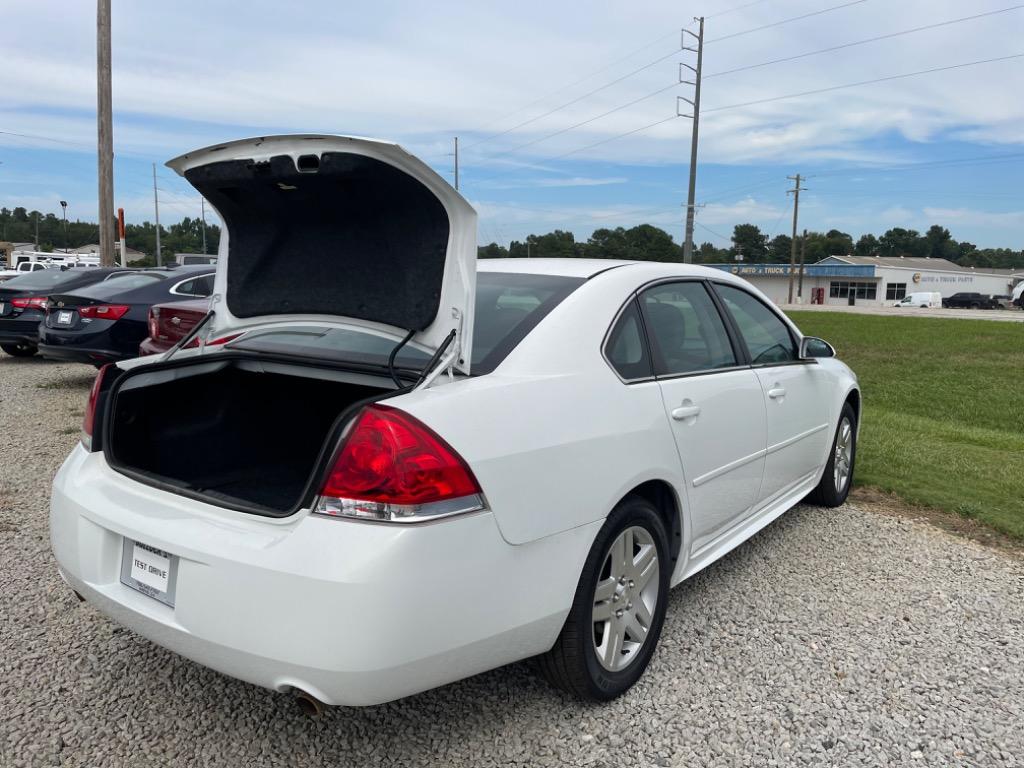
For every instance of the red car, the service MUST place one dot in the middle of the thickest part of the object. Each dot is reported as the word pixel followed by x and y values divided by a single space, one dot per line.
pixel 170 323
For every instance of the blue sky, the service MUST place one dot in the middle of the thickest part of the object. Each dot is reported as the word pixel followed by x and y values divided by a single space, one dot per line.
pixel 515 82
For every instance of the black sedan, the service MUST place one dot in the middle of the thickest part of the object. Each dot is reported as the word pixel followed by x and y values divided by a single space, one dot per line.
pixel 105 322
pixel 23 302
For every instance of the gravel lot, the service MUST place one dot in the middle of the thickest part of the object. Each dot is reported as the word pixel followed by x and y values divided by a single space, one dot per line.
pixel 838 637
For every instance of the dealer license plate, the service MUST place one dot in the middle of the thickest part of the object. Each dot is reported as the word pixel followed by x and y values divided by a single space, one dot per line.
pixel 63 318
pixel 149 570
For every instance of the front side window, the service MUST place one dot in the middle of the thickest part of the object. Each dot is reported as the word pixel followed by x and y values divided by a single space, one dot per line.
pixel 686 332
pixel 626 348
pixel 767 337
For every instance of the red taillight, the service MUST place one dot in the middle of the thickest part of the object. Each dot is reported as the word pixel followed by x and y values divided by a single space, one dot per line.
pixel 104 311
pixel 34 302
pixel 393 467
pixel 90 408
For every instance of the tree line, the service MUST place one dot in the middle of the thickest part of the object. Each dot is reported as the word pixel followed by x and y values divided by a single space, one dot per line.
pixel 19 225
pixel 643 242
pixel 649 243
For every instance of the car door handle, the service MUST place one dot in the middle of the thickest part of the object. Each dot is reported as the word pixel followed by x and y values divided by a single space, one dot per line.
pixel 776 392
pixel 686 412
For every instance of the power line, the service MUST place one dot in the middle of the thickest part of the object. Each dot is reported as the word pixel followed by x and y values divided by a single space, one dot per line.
pixel 583 122
pixel 581 80
pixel 576 100
pixel 727 11
pixel 863 42
pixel 864 82
pixel 45 138
pixel 786 21
pixel 634 72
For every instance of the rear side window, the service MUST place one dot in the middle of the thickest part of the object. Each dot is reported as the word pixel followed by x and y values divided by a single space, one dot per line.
pixel 626 349
pixel 198 286
pixel 686 332
pixel 767 337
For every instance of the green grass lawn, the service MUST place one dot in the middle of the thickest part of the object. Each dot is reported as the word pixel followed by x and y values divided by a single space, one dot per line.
pixel 943 421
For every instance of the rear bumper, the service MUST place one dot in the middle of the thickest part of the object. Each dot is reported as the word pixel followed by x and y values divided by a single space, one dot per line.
pixel 353 613
pixel 19 331
pixel 80 354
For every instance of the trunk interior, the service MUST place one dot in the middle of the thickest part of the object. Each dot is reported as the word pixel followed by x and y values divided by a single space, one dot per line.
pixel 241 433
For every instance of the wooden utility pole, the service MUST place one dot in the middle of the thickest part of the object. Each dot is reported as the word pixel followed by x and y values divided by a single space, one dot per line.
pixel 105 133
pixel 796 210
pixel 695 104
pixel 803 253
pixel 156 213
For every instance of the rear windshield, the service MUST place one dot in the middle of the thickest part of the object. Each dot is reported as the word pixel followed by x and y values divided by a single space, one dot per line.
pixel 42 280
pixel 119 284
pixel 508 307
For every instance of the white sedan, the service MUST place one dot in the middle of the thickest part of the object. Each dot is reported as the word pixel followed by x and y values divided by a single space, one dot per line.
pixel 384 467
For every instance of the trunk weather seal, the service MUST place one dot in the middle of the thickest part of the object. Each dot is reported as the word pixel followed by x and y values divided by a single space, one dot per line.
pixel 320 466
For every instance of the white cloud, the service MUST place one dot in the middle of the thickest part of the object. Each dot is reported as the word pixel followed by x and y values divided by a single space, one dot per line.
pixel 967 217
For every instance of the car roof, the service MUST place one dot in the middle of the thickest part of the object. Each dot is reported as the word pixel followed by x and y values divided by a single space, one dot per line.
pixel 562 267
pixel 587 268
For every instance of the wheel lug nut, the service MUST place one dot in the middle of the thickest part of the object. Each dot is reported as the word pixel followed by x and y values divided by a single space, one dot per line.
pixel 615 598
pixel 631 584
pixel 629 606
pixel 618 614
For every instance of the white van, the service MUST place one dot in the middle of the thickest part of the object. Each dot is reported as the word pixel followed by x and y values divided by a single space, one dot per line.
pixel 920 300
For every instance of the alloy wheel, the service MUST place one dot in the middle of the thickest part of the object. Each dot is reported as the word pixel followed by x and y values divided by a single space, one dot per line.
pixel 625 598
pixel 843 455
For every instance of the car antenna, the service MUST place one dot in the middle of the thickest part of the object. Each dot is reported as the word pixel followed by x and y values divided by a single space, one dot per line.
pixel 394 354
pixel 188 336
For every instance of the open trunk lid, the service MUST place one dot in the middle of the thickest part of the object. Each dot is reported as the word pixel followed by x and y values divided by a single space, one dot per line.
pixel 340 231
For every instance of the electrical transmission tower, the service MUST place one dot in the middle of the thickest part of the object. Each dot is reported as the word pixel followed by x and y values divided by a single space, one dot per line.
pixel 695 108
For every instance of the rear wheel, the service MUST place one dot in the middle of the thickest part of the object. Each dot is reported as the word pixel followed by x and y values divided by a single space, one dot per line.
pixel 834 485
pixel 21 349
pixel 619 608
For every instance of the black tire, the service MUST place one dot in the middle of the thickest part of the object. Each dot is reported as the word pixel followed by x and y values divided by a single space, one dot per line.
pixel 826 494
pixel 975 305
pixel 21 349
pixel 572 664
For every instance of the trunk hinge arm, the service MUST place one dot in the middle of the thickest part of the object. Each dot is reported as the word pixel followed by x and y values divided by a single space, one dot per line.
pixel 445 358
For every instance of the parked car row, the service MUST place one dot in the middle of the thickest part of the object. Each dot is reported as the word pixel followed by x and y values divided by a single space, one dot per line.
pixel 97 315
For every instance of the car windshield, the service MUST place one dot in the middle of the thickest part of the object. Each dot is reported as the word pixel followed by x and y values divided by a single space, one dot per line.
pixel 41 280
pixel 121 284
pixel 508 306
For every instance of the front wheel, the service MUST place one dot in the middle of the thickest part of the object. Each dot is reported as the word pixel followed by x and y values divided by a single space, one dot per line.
pixel 21 349
pixel 619 608
pixel 834 486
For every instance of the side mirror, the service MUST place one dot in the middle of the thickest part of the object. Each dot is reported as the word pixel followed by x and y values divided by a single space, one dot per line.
pixel 812 347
